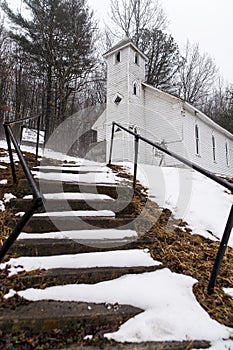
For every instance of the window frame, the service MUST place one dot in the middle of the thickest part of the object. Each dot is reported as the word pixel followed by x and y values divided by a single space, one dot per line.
pixel 227 153
pixel 135 89
pixel 197 139
pixel 214 148
pixel 118 57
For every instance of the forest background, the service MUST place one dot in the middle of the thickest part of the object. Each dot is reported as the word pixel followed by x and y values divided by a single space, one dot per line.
pixel 51 60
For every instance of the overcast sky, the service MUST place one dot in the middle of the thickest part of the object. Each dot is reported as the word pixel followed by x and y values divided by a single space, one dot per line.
pixel 207 22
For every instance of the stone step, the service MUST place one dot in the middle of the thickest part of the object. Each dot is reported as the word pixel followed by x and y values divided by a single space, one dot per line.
pixel 114 191
pixel 165 345
pixel 119 207
pixel 43 224
pixel 71 170
pixel 63 276
pixel 44 316
pixel 47 247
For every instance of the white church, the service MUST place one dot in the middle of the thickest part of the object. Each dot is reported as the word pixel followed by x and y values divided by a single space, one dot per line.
pixel 158 116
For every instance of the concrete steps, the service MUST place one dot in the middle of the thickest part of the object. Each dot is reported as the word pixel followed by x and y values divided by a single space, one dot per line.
pixel 45 224
pixel 167 345
pixel 113 190
pixel 119 207
pixel 47 247
pixel 63 276
pixel 44 316
pixel 47 315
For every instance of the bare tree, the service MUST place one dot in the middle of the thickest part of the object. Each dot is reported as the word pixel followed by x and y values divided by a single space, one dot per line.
pixel 219 106
pixel 217 102
pixel 197 76
pixel 131 16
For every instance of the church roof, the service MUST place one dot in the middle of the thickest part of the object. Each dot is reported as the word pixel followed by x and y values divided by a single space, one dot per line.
pixel 122 44
pixel 187 106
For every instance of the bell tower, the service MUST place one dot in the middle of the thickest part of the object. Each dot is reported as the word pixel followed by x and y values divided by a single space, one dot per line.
pixel 125 95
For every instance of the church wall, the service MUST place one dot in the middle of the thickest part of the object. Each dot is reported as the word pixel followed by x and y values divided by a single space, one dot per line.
pixel 160 117
pixel 207 151
pixel 163 123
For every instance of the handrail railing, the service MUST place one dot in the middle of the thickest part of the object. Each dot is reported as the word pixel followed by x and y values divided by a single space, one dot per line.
pixel 219 180
pixel 37 196
pixel 9 131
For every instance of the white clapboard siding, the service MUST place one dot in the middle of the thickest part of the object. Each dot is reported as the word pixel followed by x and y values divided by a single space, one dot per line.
pixel 207 129
pixel 158 116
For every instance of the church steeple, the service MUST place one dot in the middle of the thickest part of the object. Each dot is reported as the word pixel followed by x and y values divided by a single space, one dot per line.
pixel 125 75
pixel 126 72
pixel 121 45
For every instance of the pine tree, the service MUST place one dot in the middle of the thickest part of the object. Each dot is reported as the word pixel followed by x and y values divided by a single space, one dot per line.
pixel 56 39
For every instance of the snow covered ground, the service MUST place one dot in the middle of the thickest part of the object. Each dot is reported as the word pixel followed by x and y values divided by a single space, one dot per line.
pixel 171 309
pixel 192 197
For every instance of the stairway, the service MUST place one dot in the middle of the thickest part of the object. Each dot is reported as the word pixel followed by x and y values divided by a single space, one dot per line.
pixel 88 232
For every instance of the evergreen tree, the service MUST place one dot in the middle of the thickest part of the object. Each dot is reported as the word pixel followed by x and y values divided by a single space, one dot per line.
pixel 56 39
pixel 163 55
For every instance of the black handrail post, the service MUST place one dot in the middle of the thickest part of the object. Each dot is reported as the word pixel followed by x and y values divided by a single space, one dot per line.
pixel 37 196
pixel 111 145
pixel 17 230
pixel 221 252
pixel 136 147
pixel 10 152
pixel 38 137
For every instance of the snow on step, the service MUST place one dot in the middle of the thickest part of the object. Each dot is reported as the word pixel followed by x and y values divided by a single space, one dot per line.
pixel 171 310
pixel 73 195
pixel 118 258
pixel 83 234
pixel 87 168
pixel 100 178
pixel 86 213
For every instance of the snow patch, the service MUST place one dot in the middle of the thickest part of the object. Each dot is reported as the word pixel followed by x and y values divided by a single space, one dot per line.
pixel 3 182
pixel 82 234
pixel 171 310
pixel 73 195
pixel 7 197
pixel 118 258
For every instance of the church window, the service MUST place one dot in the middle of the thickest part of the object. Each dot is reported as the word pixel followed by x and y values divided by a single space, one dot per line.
pixel 117 99
pixel 118 57
pixel 197 139
pixel 135 88
pixel 136 58
pixel 214 148
pixel 227 153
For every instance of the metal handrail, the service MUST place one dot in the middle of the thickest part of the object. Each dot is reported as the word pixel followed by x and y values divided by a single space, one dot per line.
pixel 8 131
pixel 219 180
pixel 17 121
pixel 37 196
